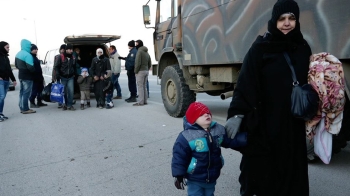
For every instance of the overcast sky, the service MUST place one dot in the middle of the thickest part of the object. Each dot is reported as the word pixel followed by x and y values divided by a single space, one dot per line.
pixel 53 20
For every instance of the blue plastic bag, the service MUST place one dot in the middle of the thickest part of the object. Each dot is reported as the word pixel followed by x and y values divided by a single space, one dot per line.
pixel 57 93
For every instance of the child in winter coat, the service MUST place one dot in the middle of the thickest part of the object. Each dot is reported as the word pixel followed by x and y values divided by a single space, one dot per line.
pixel 196 152
pixel 84 81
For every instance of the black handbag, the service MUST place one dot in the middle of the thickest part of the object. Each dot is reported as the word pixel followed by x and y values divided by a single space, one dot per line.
pixel 304 99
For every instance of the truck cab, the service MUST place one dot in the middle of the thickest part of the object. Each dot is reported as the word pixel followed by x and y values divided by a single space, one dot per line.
pixel 200 45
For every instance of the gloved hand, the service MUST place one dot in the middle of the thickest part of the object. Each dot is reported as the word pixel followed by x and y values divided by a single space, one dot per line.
pixel 121 58
pixel 179 182
pixel 232 125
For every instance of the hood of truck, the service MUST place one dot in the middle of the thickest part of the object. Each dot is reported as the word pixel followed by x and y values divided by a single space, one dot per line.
pixel 90 39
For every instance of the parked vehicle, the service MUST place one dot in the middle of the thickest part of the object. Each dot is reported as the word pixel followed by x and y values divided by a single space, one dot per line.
pixel 201 46
pixel 87 44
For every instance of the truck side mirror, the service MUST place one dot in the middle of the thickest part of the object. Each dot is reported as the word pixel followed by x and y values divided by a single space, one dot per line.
pixel 146 15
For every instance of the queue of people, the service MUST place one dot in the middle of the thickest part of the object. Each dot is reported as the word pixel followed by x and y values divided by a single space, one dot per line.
pixel 66 70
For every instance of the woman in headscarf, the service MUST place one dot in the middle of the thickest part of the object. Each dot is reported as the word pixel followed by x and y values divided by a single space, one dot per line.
pixel 274 161
pixel 101 71
pixel 5 75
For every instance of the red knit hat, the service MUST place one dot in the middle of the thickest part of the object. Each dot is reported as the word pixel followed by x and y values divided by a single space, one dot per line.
pixel 195 110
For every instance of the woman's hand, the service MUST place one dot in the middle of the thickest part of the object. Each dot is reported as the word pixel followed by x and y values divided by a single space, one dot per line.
pixel 0 78
pixel 14 83
pixel 95 78
pixel 102 78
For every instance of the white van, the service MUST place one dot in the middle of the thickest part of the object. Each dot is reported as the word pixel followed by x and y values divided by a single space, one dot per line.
pixel 87 43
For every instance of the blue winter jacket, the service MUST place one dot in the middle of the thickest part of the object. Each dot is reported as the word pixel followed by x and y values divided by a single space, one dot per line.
pixel 24 62
pixel 130 59
pixel 197 153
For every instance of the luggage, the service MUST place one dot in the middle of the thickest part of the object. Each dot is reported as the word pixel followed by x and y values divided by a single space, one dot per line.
pixel 57 93
pixel 45 94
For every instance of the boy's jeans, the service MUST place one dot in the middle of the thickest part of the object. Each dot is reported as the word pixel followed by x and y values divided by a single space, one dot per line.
pixel 26 89
pixel 68 84
pixel 200 188
pixel 109 97
pixel 4 85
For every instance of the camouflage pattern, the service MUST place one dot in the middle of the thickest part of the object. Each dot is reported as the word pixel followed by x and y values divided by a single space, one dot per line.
pixel 220 32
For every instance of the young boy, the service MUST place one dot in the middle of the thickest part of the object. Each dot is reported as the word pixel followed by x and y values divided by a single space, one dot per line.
pixel 196 152
pixel 84 81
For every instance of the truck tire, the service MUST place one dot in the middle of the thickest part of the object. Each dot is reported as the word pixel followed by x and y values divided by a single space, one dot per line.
pixel 176 94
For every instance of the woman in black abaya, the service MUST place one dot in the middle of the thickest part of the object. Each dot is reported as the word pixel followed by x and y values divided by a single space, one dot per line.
pixel 274 162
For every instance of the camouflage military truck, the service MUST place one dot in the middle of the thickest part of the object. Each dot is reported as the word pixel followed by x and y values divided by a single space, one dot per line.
pixel 200 44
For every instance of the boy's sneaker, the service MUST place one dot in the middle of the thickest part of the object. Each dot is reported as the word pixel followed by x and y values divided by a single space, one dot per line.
pixel 28 111
pixel 71 108
pixel 3 116
pixel 64 107
pixel 1 119
pixel 109 105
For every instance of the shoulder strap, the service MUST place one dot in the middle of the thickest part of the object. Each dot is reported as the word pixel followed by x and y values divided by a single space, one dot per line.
pixel 295 81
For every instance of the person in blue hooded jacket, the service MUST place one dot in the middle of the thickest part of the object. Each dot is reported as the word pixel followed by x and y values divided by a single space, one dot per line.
pixel 197 153
pixel 26 71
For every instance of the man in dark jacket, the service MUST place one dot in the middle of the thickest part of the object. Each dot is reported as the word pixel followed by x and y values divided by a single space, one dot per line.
pixel 24 64
pixel 65 72
pixel 5 75
pixel 38 82
pixel 62 50
pixel 129 66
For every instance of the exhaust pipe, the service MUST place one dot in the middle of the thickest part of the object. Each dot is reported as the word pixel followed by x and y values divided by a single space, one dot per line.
pixel 226 95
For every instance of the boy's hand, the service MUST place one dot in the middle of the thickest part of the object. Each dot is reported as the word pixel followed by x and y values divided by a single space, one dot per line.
pixel 179 183
pixel 232 125
pixel 96 78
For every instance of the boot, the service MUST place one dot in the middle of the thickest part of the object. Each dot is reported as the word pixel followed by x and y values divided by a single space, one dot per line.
pixel 127 99
pixel 33 105
pixel 88 104
pixel 132 99
pixel 41 104
pixel 81 106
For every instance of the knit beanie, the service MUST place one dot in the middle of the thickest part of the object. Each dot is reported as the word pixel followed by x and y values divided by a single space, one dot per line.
pixel 131 43
pixel 284 6
pixel 195 110
pixel 63 46
pixel 84 69
pixel 2 47
pixel 69 46
pixel 34 47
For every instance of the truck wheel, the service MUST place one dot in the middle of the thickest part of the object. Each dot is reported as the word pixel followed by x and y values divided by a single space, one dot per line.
pixel 176 94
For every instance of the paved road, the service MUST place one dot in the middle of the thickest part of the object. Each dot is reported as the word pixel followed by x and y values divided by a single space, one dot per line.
pixel 123 151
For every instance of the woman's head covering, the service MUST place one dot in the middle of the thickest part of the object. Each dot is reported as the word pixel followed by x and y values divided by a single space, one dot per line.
pixel 2 47
pixel 294 36
pixel 97 52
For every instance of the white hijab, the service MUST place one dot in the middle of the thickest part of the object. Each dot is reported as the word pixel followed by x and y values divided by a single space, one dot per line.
pixel 99 50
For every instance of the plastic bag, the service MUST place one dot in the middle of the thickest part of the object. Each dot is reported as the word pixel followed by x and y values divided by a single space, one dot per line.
pixel 57 93
pixel 323 142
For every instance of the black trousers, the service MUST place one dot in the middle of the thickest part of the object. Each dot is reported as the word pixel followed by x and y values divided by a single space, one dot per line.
pixel 132 82
pixel 36 91
pixel 99 95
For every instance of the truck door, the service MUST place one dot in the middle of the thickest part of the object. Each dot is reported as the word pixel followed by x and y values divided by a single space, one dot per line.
pixel 163 34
